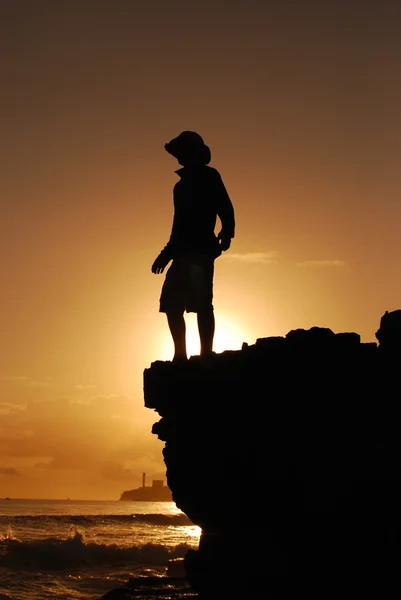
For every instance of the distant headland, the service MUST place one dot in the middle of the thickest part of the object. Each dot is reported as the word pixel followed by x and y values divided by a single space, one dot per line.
pixel 157 492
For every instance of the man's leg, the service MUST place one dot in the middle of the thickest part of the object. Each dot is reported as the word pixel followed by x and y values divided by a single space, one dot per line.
pixel 206 330
pixel 176 323
pixel 201 278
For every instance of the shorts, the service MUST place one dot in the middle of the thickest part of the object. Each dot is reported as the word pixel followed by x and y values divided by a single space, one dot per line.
pixel 188 285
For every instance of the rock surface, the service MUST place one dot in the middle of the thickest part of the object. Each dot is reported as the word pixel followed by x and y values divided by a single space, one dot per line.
pixel 287 454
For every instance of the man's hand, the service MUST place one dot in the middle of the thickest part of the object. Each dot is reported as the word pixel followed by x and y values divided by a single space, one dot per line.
pixel 224 241
pixel 159 265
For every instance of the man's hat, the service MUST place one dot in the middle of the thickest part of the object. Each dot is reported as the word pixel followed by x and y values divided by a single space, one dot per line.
pixel 189 148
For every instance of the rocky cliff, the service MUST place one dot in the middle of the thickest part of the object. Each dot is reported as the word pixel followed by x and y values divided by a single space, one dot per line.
pixel 287 454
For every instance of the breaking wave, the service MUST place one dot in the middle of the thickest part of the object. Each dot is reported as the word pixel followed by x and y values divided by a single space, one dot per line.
pixel 74 552
pixel 151 519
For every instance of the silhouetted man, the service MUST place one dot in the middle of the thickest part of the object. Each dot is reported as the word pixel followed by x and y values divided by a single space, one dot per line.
pixel 199 198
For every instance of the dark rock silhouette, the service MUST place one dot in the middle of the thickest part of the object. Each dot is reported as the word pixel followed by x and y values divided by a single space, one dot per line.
pixel 150 588
pixel 389 333
pixel 287 454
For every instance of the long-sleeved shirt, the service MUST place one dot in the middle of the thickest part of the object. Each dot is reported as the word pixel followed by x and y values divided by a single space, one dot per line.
pixel 199 198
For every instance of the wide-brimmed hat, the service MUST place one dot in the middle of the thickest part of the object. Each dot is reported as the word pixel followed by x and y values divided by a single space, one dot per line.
pixel 189 148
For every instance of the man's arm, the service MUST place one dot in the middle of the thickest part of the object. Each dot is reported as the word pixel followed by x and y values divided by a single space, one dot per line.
pixel 163 259
pixel 166 254
pixel 159 264
pixel 225 212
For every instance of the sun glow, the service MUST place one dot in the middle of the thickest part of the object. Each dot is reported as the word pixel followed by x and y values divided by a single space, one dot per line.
pixel 228 336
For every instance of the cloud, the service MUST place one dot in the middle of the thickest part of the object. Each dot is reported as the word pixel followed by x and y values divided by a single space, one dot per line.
pixel 24 380
pixel 8 471
pixel 6 408
pixel 44 463
pixel 266 258
pixel 84 386
pixel 321 263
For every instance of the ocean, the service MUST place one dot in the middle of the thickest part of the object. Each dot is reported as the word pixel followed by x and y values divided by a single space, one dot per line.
pixel 79 550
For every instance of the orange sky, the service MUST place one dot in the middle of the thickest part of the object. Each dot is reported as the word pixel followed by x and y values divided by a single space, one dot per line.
pixel 299 102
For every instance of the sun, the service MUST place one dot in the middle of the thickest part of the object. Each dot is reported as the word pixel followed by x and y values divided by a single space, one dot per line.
pixel 228 336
